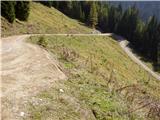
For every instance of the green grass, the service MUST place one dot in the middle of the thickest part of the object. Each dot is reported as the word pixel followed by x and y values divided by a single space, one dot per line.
pixel 43 20
pixel 103 82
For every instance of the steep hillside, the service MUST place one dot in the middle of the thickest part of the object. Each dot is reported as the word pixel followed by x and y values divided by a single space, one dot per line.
pixel 43 20
pixel 103 82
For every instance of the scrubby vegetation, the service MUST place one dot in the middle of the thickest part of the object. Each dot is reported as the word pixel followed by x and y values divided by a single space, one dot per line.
pixel 103 83
pixel 42 42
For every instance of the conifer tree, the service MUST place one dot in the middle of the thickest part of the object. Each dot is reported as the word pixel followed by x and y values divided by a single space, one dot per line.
pixel 8 10
pixel 76 10
pixel 46 3
pixel 158 56
pixel 103 17
pixel 86 8
pixel 55 4
pixel 81 14
pixel 127 25
pixel 138 35
pixel 22 9
pixel 150 40
pixel 93 16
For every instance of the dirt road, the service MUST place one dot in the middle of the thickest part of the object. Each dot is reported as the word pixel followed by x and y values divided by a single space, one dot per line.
pixel 26 70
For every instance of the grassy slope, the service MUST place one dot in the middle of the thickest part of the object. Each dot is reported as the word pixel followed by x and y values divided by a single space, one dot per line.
pixel 96 68
pixel 43 20
pixel 98 75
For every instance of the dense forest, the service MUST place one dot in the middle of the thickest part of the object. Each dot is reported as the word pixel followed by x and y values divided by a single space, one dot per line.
pixel 145 8
pixel 145 37
pixel 12 10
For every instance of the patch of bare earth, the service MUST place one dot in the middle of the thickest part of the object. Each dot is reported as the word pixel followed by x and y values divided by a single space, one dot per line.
pixel 26 70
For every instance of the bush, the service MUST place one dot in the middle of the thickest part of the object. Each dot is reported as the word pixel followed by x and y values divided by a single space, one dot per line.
pixel 42 42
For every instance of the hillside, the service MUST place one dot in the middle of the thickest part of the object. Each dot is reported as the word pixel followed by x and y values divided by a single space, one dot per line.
pixel 71 77
pixel 103 82
pixel 43 20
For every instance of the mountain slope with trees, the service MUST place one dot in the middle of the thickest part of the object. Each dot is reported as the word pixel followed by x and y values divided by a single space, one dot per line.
pixel 42 19
pixel 103 82
pixel 144 36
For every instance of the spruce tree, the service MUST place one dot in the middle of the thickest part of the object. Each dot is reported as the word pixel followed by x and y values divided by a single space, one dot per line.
pixel 93 16
pixel 81 14
pixel 22 9
pixel 8 10
pixel 86 9
pixel 76 10
pixel 138 35
pixel 111 18
pixel 47 3
pixel 103 17
pixel 127 25
pixel 158 56
pixel 150 40
pixel 55 4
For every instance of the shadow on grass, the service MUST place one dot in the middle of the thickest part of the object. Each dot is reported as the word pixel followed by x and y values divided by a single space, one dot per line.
pixel 156 67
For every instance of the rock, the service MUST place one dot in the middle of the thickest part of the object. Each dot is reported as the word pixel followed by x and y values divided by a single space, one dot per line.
pixel 21 114
pixel 61 90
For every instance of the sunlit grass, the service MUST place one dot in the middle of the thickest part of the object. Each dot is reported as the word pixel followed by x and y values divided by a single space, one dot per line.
pixel 102 80
pixel 43 20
